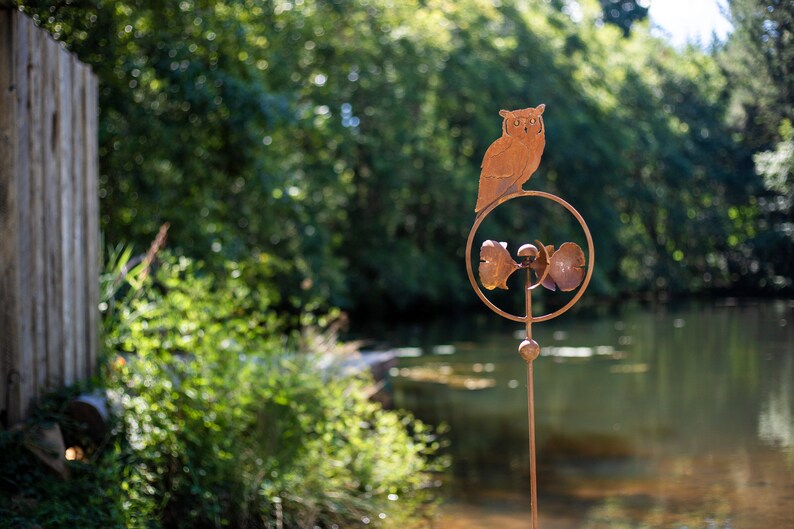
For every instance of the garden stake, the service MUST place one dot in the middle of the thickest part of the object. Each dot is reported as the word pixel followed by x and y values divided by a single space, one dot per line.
pixel 508 163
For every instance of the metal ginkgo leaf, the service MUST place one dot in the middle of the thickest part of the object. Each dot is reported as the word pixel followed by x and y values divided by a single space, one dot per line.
pixel 496 265
pixel 567 266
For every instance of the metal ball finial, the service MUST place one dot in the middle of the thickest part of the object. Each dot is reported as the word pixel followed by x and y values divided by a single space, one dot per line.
pixel 529 350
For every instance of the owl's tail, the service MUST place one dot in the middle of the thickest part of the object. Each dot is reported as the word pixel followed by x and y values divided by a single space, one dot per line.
pixel 481 203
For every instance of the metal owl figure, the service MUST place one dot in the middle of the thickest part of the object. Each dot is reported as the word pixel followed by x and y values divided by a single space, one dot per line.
pixel 512 159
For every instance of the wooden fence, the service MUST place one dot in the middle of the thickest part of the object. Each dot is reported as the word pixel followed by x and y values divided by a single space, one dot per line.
pixel 49 215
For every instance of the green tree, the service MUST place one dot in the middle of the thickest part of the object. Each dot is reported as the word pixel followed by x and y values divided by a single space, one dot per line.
pixel 188 119
pixel 759 59
pixel 624 13
pixel 345 138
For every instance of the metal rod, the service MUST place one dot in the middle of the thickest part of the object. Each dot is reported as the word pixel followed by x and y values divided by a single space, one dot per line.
pixel 531 407
pixel 528 303
pixel 532 478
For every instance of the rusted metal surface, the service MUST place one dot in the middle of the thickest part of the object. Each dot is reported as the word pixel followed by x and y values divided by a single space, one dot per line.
pixel 487 211
pixel 496 265
pixel 508 163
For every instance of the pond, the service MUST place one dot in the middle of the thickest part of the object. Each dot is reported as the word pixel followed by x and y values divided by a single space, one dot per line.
pixel 647 416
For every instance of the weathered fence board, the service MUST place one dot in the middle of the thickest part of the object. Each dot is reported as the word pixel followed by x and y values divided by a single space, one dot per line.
pixel 91 218
pixel 49 216
pixel 9 221
pixel 52 216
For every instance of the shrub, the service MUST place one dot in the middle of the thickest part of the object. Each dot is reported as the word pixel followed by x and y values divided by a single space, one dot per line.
pixel 222 421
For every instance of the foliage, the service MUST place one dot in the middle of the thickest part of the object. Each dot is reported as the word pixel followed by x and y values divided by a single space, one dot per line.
pixel 32 495
pixel 345 138
pixel 759 61
pixel 223 423
pixel 624 13
pixel 777 166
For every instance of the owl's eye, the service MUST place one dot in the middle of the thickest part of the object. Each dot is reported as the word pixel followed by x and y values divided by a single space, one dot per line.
pixel 532 121
pixel 516 123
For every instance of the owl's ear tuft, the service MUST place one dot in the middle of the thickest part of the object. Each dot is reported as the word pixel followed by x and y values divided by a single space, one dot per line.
pixel 504 113
pixel 540 108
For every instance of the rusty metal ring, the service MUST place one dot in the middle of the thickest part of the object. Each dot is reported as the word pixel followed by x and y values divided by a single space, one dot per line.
pixel 590 256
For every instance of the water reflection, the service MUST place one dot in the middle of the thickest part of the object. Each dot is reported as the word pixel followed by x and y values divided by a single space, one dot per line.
pixel 647 417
